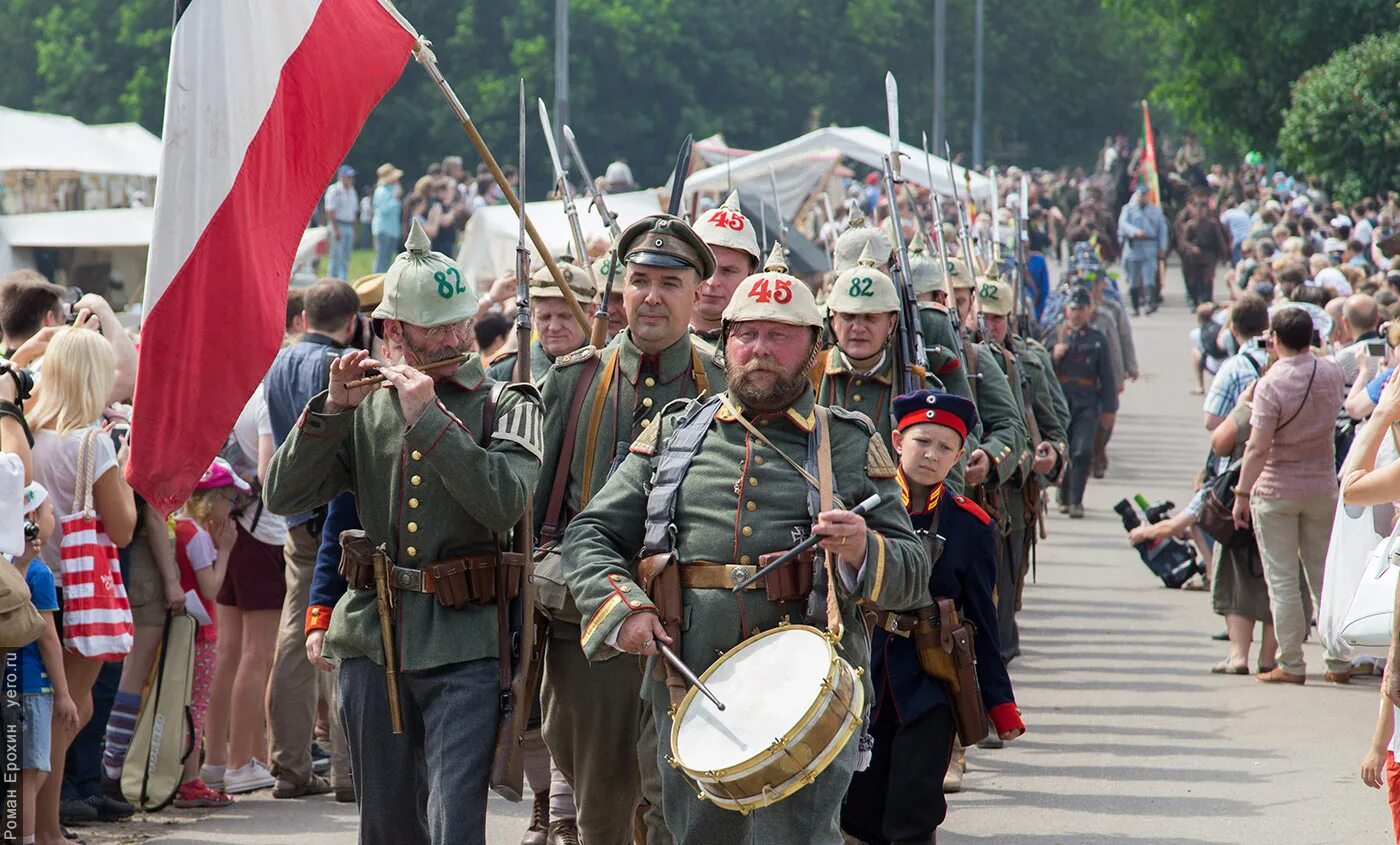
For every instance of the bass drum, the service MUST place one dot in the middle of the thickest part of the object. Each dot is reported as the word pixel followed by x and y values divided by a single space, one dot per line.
pixel 791 705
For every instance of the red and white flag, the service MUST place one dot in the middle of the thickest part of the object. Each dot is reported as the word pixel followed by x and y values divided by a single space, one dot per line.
pixel 263 101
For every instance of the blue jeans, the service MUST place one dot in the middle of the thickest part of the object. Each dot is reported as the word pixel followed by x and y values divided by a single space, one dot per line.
pixel 343 242
pixel 427 784
pixel 385 248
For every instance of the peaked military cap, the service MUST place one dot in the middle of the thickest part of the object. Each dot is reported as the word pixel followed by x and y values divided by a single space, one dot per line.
pixel 664 240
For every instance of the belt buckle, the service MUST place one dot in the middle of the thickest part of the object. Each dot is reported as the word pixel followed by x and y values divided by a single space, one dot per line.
pixel 738 574
pixel 408 579
pixel 891 624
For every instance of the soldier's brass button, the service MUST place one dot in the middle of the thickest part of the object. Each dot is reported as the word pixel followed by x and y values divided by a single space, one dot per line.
pixel 748 530
pixel 751 506
pixel 744 560
pixel 635 603
pixel 413 503
pixel 855 398
pixel 650 382
pixel 626 588
pixel 753 482
pixel 412 552
pixel 417 455
pixel 763 422
pixel 412 527
pixel 858 382
pixel 646 403
pixel 758 459
pixel 416 480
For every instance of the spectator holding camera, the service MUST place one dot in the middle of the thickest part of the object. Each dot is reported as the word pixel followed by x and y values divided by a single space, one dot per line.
pixel 1288 485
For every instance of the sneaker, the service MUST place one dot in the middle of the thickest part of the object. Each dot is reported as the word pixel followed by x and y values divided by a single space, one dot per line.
pixel 76 811
pixel 315 785
pixel 320 759
pixel 1076 511
pixel 249 778
pixel 213 776
pixel 196 793
pixel 109 809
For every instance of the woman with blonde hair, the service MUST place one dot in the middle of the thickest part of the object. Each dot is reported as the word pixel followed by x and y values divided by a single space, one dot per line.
pixel 79 370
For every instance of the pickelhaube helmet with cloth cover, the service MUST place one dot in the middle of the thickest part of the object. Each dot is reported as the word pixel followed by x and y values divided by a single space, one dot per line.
pixel 863 289
pixel 923 268
pixel 726 226
pixel 852 242
pixel 994 296
pixel 772 294
pixel 425 288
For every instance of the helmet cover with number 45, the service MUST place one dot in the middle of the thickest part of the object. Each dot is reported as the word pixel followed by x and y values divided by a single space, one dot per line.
pixel 774 295
pixel 425 288
pixel 863 289
pixel 727 226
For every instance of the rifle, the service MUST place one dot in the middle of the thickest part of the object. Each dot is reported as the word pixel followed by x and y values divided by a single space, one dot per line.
pixel 778 206
pixel 516 620
pixel 679 174
pixel 938 225
pixel 914 363
pixel 1023 320
pixel 566 193
pixel 831 233
pixel 964 234
pixel 599 335
pixel 425 57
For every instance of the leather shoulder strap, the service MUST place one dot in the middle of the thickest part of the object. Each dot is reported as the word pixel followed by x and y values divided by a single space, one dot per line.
pixel 595 417
pixel 826 494
pixel 554 511
pixel 697 369
pixel 671 465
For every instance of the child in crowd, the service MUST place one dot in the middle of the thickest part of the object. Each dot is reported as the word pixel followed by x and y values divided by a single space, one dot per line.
pixel 204 538
pixel 43 686
pixel 1207 353
pixel 1379 763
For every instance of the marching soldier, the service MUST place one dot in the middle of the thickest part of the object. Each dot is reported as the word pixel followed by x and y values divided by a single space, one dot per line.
pixel 859 372
pixel 850 246
pixel 1085 372
pixel 556 331
pixel 941 342
pixel 993 453
pixel 599 401
pixel 418 452
pixel 899 796
pixel 731 238
pixel 1111 318
pixel 730 498
pixel 1039 399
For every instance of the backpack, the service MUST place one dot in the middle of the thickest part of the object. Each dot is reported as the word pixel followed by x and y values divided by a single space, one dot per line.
pixel 164 735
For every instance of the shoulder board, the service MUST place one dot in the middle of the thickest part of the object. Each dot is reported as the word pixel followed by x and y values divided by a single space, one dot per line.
pixel 1034 344
pixel 525 388
pixel 878 463
pixel 933 306
pixel 578 356
pixel 852 416
pixel 645 444
pixel 506 355
pixel 973 508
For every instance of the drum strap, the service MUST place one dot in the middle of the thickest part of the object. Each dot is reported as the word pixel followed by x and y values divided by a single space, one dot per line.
pixel 826 496
pixel 670 469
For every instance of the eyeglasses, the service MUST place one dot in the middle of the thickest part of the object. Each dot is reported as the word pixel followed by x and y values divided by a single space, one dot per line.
pixel 438 333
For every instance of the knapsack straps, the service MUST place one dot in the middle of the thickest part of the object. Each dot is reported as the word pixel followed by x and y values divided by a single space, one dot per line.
pixel 671 466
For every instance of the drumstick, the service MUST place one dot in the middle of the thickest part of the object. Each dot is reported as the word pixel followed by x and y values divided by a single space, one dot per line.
pixel 803 546
pixel 427 368
pixel 686 673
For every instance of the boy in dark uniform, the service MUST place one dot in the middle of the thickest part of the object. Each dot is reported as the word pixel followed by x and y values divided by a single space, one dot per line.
pixel 898 798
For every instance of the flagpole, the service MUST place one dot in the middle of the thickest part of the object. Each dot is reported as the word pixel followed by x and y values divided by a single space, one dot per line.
pixel 426 58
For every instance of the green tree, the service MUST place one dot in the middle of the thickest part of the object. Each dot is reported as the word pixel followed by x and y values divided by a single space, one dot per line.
pixel 1343 123
pixel 1224 67
pixel 103 63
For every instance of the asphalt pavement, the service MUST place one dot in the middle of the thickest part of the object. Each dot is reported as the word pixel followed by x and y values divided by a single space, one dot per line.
pixel 1131 739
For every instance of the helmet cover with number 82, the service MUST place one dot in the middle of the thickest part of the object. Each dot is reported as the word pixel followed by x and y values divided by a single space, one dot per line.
pixel 863 289
pixel 774 295
pixel 425 288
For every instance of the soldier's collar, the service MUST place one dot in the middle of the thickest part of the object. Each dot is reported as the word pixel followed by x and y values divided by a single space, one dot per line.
pixel 839 363
pixel 935 495
pixel 470 375
pixel 672 362
pixel 800 413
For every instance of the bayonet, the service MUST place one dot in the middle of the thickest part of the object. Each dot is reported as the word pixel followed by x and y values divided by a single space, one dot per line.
pixel 566 193
pixel 778 207
pixel 892 116
pixel 937 221
pixel 679 174
pixel 590 189
pixel 964 234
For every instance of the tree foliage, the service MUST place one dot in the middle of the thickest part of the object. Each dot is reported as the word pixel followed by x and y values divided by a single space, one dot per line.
pixel 1060 74
pixel 1224 67
pixel 1344 120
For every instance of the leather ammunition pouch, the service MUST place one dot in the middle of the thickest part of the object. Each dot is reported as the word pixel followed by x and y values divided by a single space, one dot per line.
pixel 946 650
pixel 793 580
pixel 659 577
pixel 357 559
pixel 472 579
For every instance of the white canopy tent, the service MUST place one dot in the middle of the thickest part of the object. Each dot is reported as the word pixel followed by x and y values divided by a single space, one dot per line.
pixel 39 141
pixel 801 165
pixel 488 244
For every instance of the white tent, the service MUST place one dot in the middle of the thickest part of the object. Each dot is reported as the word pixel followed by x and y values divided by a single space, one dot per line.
pixel 800 165
pixel 488 244
pixel 38 141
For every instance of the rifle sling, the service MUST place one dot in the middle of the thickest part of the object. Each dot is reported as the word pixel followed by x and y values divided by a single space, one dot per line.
pixel 595 416
pixel 554 511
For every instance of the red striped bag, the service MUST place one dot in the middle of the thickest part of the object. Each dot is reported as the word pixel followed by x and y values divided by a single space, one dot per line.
pixel 96 614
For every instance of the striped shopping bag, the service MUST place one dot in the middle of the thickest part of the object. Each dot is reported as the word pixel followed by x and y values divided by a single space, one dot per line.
pixel 96 613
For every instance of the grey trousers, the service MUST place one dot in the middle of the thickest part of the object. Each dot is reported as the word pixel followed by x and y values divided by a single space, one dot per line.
pixel 1009 552
pixel 810 816
pixel 428 784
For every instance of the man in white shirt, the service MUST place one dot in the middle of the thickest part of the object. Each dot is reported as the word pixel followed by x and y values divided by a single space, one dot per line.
pixel 342 210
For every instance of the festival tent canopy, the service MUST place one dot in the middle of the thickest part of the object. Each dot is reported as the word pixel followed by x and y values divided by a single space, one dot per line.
pixel 800 166
pixel 488 244
pixel 39 141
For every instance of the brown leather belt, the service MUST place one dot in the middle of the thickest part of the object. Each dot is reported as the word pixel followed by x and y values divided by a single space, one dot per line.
pixel 899 624
pixel 420 581
pixel 708 575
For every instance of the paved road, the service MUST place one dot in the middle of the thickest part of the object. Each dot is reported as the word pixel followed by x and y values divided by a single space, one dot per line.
pixel 1131 739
